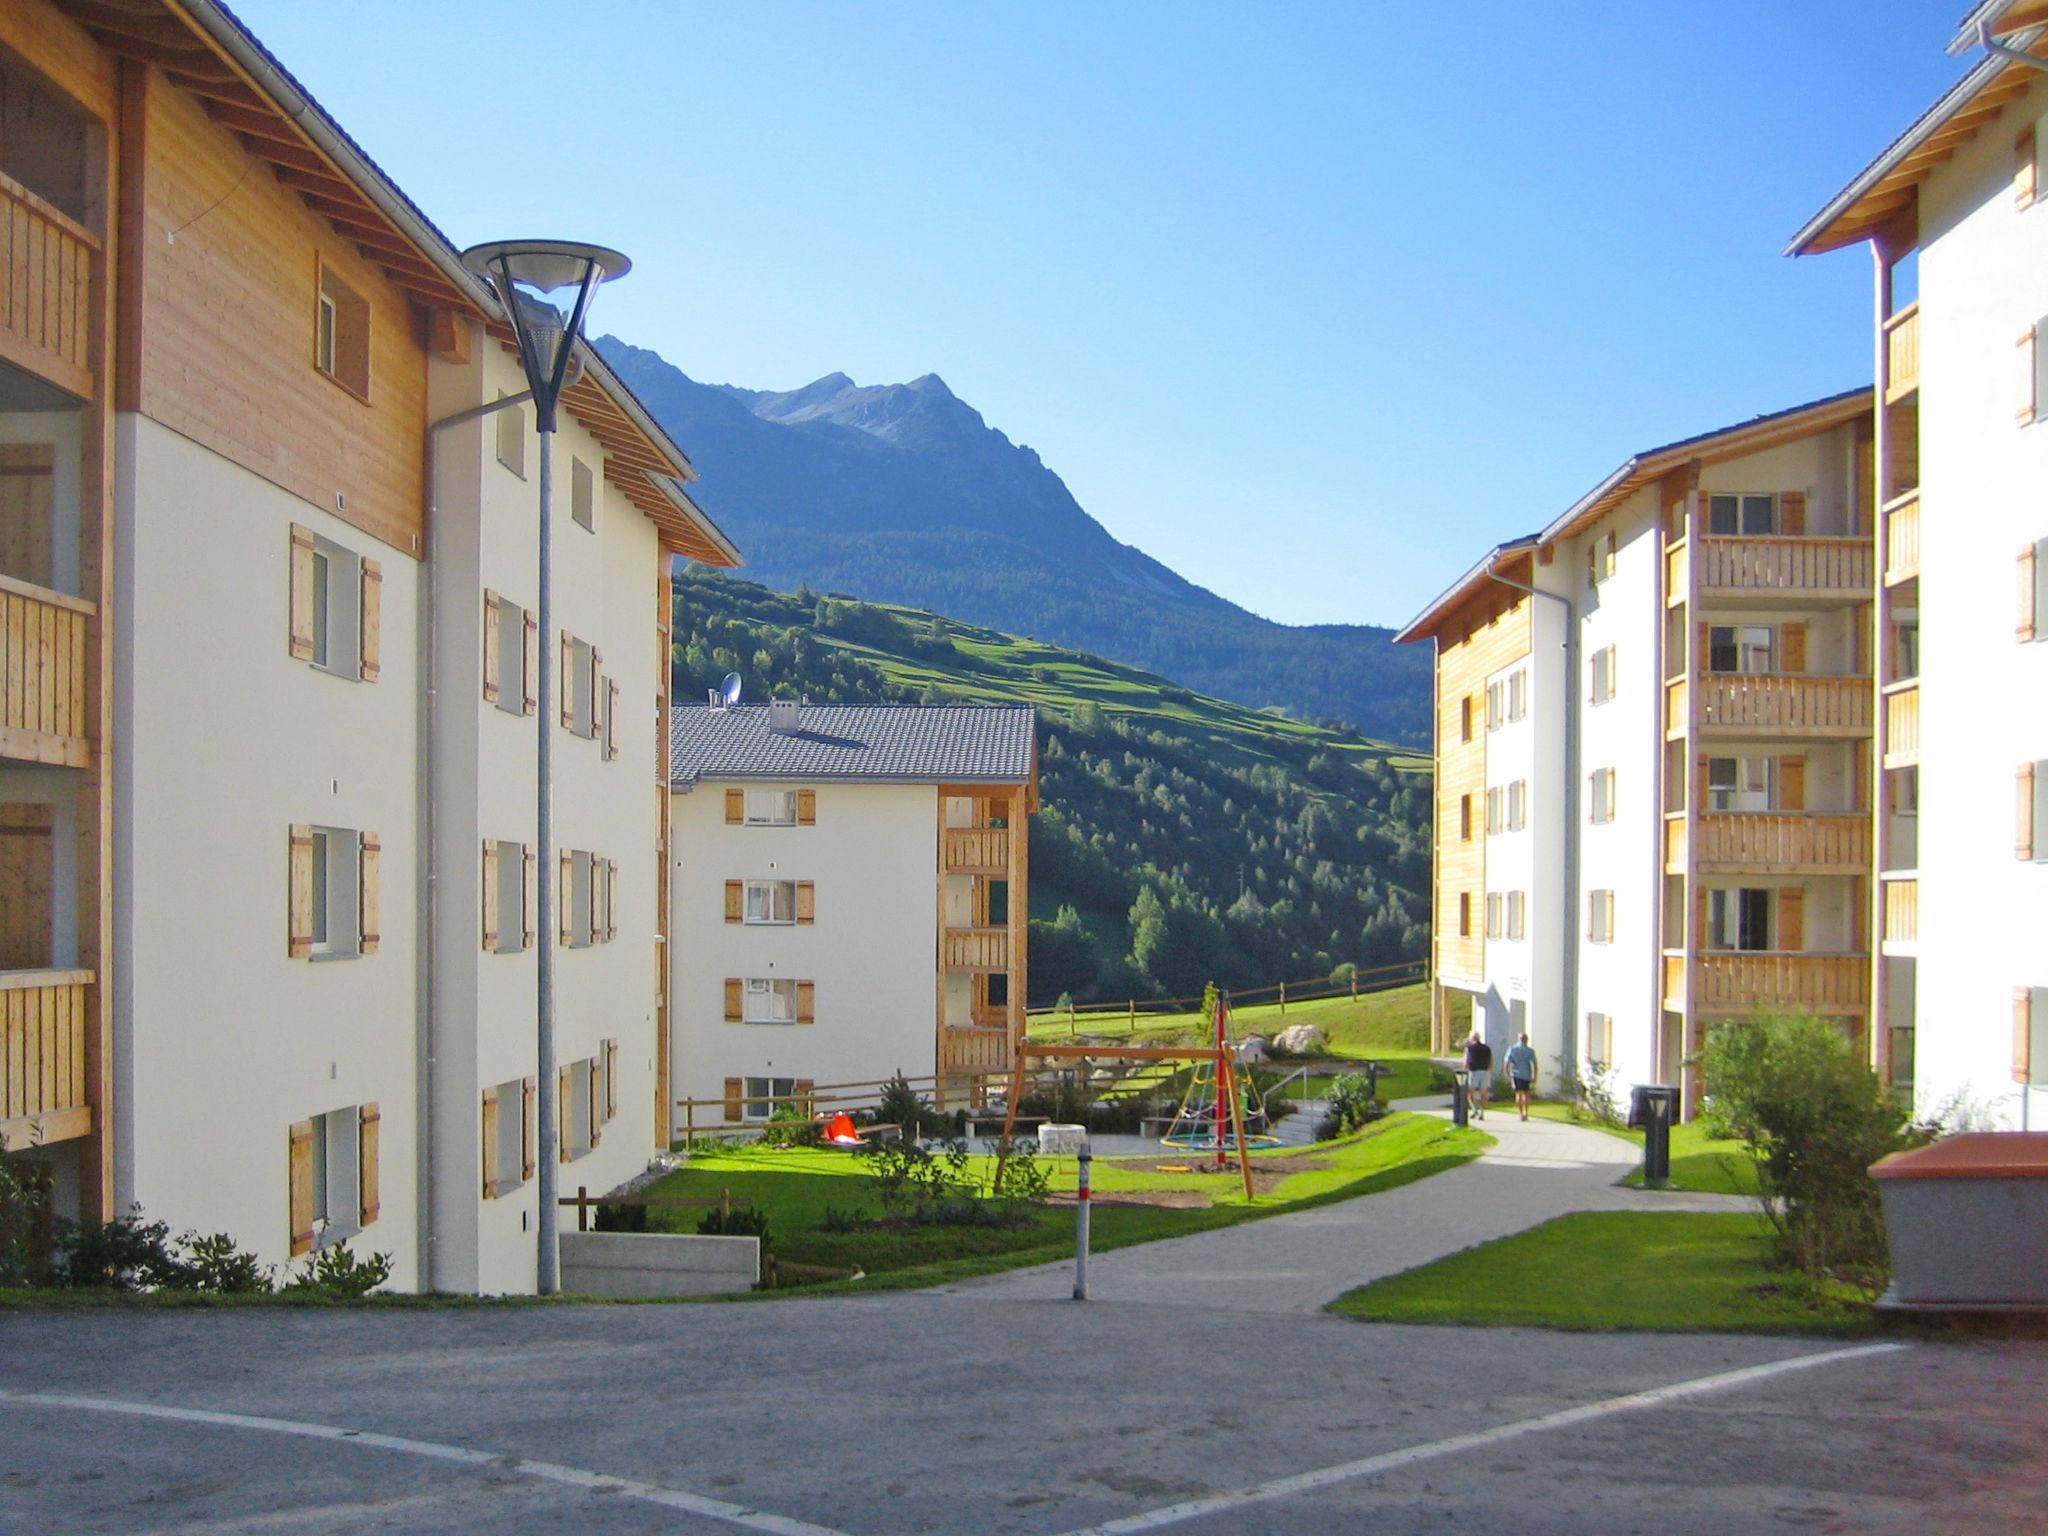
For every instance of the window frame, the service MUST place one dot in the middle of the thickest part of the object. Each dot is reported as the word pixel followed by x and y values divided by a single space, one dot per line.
pixel 1744 503
pixel 510 450
pixel 1494 907
pixel 582 495
pixel 750 819
pixel 1732 912
pixel 1742 649
pixel 341 332
pixel 768 892
pixel 773 990
pixel 337 918
pixel 337 616
pixel 1600 917
pixel 765 1096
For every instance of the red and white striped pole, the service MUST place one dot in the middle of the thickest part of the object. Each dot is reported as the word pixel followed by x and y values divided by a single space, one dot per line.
pixel 1081 1204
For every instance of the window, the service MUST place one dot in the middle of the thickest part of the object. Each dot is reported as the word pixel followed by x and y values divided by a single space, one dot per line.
pixel 1744 648
pixel 1739 783
pixel 771 901
pixel 2030 1035
pixel 1464 914
pixel 1518 693
pixel 336 603
pixel 511 655
pixel 770 1000
pixel 580 1109
pixel 1906 648
pixel 1898 1061
pixel 1600 1039
pixel 512 437
pixel 507 897
pixel 341 334
pixel 766 1094
pixel 771 807
pixel 1743 516
pixel 333 892
pixel 2032 623
pixel 589 897
pixel 1493 911
pixel 1517 913
pixel 1601 795
pixel 1905 791
pixel 582 495
pixel 2032 359
pixel 2031 812
pixel 1494 822
pixel 1464 818
pixel 510 1113
pixel 1739 919
pixel 1602 665
pixel 1607 556
pixel 1600 917
pixel 1496 706
pixel 581 663
pixel 1518 805
pixel 1465 718
pixel 333 1176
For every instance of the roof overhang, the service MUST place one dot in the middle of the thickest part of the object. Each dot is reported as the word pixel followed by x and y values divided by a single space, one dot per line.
pixel 1424 626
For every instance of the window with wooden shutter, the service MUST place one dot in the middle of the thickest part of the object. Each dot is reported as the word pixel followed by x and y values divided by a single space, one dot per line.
pixel 565 896
pixel 611 1078
pixel 301 1182
pixel 1792 920
pixel 1791 647
pixel 2025 837
pixel 807 1002
pixel 2031 574
pixel 490 893
pixel 529 663
pixel 735 1100
pixel 594 1092
pixel 807 807
pixel 565 676
pixel 611 720
pixel 300 917
pixel 492 619
pixel 611 899
pixel 529 1127
pixel 594 722
pixel 565 1119
pixel 490 1147
pixel 735 901
pixel 367 1127
pixel 1791 783
pixel 372 613
pixel 2025 347
pixel 303 577
pixel 368 857
pixel 529 902
pixel 806 901
pixel 2024 172
pixel 2022 1035
pixel 1792 514
pixel 735 807
pixel 735 999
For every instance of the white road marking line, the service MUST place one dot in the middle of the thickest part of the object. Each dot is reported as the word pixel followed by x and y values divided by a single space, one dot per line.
pixel 547 1471
pixel 1304 1482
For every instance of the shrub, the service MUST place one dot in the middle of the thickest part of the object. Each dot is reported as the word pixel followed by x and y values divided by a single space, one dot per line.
pixel 901 1104
pixel 1591 1093
pixel 1350 1106
pixel 619 1218
pixel 27 1229
pixel 837 1220
pixel 739 1221
pixel 216 1265
pixel 125 1254
pixel 338 1274
pixel 789 1126
pixel 1814 1117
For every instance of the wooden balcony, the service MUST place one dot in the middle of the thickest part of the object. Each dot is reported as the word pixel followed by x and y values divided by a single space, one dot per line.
pixel 1748 981
pixel 44 1017
pixel 1772 570
pixel 1677 708
pixel 976 850
pixel 48 267
pixel 1902 725
pixel 1782 842
pixel 1901 914
pixel 44 655
pixel 973 1048
pixel 1902 353
pixel 976 949
pixel 1902 539
pixel 1676 587
pixel 1783 704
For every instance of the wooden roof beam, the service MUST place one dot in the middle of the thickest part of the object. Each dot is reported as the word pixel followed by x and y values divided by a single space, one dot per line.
pixel 156 31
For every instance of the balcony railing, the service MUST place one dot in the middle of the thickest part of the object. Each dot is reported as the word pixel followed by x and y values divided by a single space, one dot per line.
pixel 1902 539
pixel 977 949
pixel 1780 704
pixel 1901 910
pixel 1810 842
pixel 44 1019
pixel 1902 353
pixel 973 1048
pixel 43 660
pixel 1743 981
pixel 1675 586
pixel 1902 725
pixel 1677 707
pixel 977 850
pixel 47 263
pixel 1785 567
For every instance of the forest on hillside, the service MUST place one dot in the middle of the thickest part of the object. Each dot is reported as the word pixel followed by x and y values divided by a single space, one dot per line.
pixel 1180 840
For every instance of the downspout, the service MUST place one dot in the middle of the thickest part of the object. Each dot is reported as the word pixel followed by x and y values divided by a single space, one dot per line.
pixel 1570 870
pixel 2006 51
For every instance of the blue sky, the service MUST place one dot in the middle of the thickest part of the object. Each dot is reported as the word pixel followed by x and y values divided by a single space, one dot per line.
pixel 1313 302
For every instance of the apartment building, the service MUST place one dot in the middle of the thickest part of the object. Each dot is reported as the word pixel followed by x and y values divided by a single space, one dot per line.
pixel 1653 728
pixel 267 736
pixel 851 898
pixel 1952 213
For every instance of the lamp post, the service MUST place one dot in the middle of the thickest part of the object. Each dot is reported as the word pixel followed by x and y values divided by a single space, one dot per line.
pixel 528 276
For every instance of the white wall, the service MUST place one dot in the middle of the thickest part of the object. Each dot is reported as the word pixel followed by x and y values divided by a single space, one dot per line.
pixel 873 950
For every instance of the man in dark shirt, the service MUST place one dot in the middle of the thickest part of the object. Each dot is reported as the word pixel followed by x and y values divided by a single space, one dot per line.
pixel 1478 1074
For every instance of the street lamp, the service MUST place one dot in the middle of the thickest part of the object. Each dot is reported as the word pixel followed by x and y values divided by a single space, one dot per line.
pixel 545 286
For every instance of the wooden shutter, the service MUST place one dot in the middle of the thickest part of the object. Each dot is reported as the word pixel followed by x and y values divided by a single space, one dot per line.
pixel 596 691
pixel 735 807
pixel 735 1101
pixel 2023 168
pixel 366 1162
pixel 563 676
pixel 1791 647
pixel 2023 410
pixel 1703 661
pixel 301 633
pixel 1611 656
pixel 529 1125
pixel 491 622
pixel 807 1002
pixel 2023 821
pixel 1791 783
pixel 565 1079
pixel 806 1094
pixel 735 901
pixel 529 894
pixel 565 892
pixel 299 926
pixel 490 889
pixel 611 899
pixel 368 857
pixel 611 1078
pixel 594 1095
pixel 2029 621
pixel 529 665
pixel 597 911
pixel 1792 514
pixel 301 1167
pixel 735 999
pixel 1702 783
pixel 807 807
pixel 611 720
pixel 2022 1036
pixel 1792 920
pixel 490 1148
pixel 371 648
pixel 807 901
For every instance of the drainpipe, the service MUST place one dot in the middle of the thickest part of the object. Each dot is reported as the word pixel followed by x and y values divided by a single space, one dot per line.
pixel 2006 51
pixel 1570 871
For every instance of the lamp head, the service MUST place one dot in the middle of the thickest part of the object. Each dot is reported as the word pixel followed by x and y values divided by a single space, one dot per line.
pixel 545 286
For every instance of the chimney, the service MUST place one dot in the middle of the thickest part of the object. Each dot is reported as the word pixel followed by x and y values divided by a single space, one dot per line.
pixel 785 717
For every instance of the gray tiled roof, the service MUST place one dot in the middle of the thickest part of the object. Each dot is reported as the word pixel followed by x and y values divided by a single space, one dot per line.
pixel 909 743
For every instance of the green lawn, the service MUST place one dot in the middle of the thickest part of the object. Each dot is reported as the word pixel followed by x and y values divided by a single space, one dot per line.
pixel 1668 1272
pixel 1700 1163
pixel 796 1186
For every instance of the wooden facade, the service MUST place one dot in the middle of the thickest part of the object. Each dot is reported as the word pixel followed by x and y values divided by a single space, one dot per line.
pixel 992 853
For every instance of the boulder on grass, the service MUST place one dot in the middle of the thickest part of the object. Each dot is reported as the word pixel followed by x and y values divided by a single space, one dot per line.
pixel 1302 1040
pixel 1253 1050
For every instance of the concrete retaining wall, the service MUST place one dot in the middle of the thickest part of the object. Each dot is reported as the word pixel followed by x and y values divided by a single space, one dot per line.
pixel 641 1264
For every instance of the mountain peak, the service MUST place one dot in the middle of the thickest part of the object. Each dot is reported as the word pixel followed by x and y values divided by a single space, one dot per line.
pixel 931 384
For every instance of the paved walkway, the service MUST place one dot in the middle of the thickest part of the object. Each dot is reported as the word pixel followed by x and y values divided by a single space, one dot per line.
pixel 1299 1263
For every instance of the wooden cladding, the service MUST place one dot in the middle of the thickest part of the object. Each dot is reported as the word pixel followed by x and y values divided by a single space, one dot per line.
pixel 976 949
pixel 44 655
pixel 44 1019
pixel 1902 727
pixel 1901 912
pixel 1742 981
pixel 1779 705
pixel 1794 566
pixel 977 850
pixel 974 1048
pixel 1902 353
pixel 47 280
pixel 1763 842
pixel 1902 539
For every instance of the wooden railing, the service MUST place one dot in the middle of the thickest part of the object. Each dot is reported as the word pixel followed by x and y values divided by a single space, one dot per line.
pixel 973 1048
pixel 43 659
pixel 977 850
pixel 1780 704
pixel 1675 586
pixel 1674 845
pixel 1902 538
pixel 1739 981
pixel 1677 707
pixel 1902 910
pixel 1902 353
pixel 47 263
pixel 977 949
pixel 1767 840
pixel 44 1018
pixel 1797 566
pixel 1902 726
pixel 1674 982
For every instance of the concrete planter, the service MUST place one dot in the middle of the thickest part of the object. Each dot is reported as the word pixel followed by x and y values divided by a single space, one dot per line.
pixel 633 1265
pixel 1968 1221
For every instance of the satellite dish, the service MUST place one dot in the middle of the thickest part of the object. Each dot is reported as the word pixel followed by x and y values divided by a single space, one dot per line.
pixel 729 690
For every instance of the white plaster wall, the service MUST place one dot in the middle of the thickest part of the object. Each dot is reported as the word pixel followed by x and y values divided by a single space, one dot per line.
pixel 1983 279
pixel 222 1040
pixel 1510 861
pixel 873 950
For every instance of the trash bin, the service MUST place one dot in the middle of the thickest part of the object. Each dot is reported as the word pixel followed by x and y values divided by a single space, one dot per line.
pixel 1459 1113
pixel 1652 1108
pixel 1968 1222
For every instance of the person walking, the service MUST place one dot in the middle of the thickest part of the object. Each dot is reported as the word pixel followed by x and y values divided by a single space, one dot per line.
pixel 1521 1065
pixel 1478 1074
